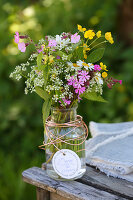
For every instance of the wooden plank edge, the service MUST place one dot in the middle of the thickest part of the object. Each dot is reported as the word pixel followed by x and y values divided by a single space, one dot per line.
pixel 65 189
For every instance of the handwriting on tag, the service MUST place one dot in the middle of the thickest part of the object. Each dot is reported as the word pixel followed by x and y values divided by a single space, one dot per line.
pixel 66 163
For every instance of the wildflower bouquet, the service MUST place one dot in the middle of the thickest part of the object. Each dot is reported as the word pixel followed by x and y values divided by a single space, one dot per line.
pixel 62 70
pixel 65 68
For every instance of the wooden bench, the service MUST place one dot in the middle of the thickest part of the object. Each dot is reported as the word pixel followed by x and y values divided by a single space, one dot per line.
pixel 94 185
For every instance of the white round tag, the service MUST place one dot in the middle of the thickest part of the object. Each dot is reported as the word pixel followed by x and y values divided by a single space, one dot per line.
pixel 66 163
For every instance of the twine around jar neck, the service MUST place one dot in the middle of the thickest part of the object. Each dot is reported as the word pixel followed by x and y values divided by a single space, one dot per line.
pixel 54 140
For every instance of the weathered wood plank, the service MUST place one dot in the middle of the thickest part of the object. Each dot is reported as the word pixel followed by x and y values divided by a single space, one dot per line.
pixel 69 189
pixel 42 194
pixel 97 179
pixel 54 196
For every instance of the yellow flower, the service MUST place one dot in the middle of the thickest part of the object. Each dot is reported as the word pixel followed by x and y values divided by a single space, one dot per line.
pixel 75 65
pixel 43 46
pixel 51 59
pixel 85 48
pixel 109 37
pixel 103 67
pixel 98 34
pixel 80 28
pixel 104 74
pixel 85 64
pixel 45 57
pixel 89 34
pixel 85 55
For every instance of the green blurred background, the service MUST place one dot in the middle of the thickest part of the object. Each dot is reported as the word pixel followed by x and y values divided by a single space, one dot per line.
pixel 21 127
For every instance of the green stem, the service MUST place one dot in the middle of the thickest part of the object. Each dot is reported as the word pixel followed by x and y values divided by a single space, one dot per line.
pixel 92 42
pixel 99 44
pixel 24 76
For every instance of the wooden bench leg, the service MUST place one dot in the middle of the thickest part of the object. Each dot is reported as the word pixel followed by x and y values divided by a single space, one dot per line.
pixel 42 194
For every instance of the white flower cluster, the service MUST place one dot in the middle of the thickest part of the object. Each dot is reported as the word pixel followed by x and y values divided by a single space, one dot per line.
pixel 35 78
pixel 32 57
pixel 96 83
pixel 41 41
pixel 18 72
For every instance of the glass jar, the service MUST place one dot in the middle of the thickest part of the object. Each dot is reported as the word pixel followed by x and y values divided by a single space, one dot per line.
pixel 60 135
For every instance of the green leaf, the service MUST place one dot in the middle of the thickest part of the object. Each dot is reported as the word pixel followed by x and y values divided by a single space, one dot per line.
pixel 78 54
pixel 43 94
pixel 69 57
pixel 60 53
pixel 93 96
pixel 46 109
pixel 95 56
pixel 39 59
pixel 76 45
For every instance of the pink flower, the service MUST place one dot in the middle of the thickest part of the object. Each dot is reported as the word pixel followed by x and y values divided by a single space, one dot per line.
pixel 117 81
pixel 120 81
pixel 52 43
pixel 111 82
pixel 66 101
pixel 80 90
pixel 83 76
pixel 78 84
pixel 16 37
pixel 97 67
pixel 75 38
pixel 40 50
pixel 71 81
pixel 79 99
pixel 22 47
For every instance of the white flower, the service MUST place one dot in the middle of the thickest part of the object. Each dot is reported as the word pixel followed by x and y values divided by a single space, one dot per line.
pixel 80 63
pixel 58 39
pixel 61 43
pixel 70 64
pixel 90 66
pixel 76 68
pixel 98 78
pixel 68 48
pixel 64 57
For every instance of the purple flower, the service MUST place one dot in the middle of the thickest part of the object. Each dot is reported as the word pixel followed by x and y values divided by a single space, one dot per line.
pixel 52 43
pixel 71 81
pixel 75 38
pixel 83 76
pixel 80 90
pixel 27 44
pixel 22 47
pixel 64 37
pixel 16 37
pixel 58 57
pixel 97 67
pixel 23 36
